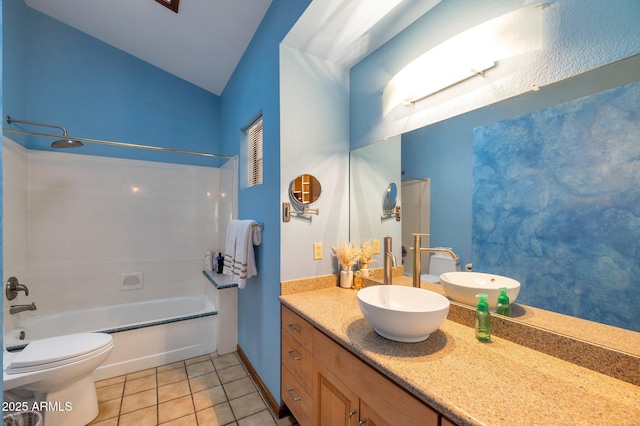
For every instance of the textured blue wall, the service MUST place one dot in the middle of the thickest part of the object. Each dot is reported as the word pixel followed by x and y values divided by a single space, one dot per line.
pixel 254 88
pixel 59 75
pixel 556 205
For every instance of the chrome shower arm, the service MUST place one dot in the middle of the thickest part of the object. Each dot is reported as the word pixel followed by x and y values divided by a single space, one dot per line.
pixel 33 123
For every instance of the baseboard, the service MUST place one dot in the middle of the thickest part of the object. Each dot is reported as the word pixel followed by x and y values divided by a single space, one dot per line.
pixel 281 410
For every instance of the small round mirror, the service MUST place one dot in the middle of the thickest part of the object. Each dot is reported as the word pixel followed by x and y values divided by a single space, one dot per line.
pixel 392 194
pixel 305 189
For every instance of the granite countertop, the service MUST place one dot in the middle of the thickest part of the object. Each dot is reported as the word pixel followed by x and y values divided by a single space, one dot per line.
pixel 496 383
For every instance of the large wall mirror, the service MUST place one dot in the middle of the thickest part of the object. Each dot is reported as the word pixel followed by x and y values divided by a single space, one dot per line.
pixel 465 161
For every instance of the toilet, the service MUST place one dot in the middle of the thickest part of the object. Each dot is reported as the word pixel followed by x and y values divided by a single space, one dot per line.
pixel 439 263
pixel 57 374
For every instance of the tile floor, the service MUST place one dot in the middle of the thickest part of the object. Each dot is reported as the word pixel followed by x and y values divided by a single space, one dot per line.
pixel 209 390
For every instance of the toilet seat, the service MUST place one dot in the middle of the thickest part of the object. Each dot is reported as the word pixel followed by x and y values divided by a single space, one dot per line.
pixel 58 351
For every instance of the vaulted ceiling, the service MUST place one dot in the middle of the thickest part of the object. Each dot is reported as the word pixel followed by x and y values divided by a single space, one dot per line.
pixel 201 44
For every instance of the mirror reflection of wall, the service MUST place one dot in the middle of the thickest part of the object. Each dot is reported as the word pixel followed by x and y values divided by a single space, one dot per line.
pixel 370 172
pixel 556 205
pixel 444 153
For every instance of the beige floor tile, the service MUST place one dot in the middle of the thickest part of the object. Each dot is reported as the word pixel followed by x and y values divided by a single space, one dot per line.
pixel 172 376
pixel 139 385
pixel 226 361
pixel 109 422
pixel 138 401
pixel 238 388
pixel 175 408
pixel 263 418
pixel 247 405
pixel 142 373
pixel 209 398
pixel 203 382
pixel 198 359
pixel 108 409
pixel 189 420
pixel 287 421
pixel 171 366
pixel 216 416
pixel 173 391
pixel 109 382
pixel 232 373
pixel 106 393
pixel 205 390
pixel 200 368
pixel 145 417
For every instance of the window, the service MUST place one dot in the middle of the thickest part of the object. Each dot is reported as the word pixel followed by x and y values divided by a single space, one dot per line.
pixel 254 153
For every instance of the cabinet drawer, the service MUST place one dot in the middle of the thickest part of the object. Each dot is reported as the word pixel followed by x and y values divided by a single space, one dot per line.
pixel 298 361
pixel 298 328
pixel 298 401
pixel 393 404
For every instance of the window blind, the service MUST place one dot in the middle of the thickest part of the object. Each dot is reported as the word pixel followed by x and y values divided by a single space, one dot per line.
pixel 254 153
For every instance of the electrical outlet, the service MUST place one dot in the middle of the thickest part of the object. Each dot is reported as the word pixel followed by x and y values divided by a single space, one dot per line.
pixel 317 251
pixel 376 246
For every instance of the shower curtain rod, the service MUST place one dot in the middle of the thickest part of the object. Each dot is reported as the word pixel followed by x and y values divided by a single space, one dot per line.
pixel 120 144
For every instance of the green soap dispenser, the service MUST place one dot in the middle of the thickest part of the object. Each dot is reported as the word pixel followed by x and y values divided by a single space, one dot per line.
pixel 503 307
pixel 483 319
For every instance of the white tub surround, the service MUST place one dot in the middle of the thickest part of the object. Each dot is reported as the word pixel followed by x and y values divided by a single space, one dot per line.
pixel 227 292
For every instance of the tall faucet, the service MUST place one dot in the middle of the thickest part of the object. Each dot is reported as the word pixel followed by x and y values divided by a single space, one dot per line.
pixel 20 308
pixel 389 260
pixel 418 250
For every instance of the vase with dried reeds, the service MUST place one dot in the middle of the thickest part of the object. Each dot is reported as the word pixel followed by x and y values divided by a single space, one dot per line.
pixel 366 254
pixel 347 255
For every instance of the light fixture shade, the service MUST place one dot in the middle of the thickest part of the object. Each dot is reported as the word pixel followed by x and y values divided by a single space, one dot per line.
pixel 465 55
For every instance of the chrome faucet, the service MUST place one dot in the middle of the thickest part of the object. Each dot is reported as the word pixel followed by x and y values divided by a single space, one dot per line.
pixel 12 288
pixel 20 308
pixel 417 251
pixel 389 260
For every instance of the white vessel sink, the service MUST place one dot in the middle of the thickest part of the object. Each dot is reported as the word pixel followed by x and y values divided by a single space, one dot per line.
pixel 463 287
pixel 403 314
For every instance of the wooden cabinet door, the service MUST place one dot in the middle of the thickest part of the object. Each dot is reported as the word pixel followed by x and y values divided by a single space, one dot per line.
pixel 337 404
pixel 298 401
pixel 368 416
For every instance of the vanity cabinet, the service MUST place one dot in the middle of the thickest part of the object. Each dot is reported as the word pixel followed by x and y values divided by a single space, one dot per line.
pixel 325 384
pixel 298 367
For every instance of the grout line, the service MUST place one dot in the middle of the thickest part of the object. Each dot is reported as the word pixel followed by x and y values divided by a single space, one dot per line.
pixel 195 412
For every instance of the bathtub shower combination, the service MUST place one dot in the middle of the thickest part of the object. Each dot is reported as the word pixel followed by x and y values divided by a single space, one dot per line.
pixel 145 334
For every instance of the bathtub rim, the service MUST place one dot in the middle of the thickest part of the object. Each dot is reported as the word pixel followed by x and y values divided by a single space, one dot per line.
pixel 12 342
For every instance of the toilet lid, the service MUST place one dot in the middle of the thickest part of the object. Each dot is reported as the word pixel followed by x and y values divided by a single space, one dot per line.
pixel 55 351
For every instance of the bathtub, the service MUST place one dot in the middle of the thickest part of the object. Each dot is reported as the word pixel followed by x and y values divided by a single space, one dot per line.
pixel 145 334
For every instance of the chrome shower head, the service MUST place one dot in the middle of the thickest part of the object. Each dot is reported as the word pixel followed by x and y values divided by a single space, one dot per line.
pixel 65 142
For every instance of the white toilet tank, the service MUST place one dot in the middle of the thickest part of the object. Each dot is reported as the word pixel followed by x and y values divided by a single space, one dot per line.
pixel 439 263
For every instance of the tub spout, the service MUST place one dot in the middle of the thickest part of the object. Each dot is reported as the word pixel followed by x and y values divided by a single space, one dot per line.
pixel 20 308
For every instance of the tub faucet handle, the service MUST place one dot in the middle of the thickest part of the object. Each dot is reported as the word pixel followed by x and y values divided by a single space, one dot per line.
pixel 13 287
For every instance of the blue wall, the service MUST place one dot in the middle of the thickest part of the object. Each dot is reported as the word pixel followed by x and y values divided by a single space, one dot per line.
pixel 61 76
pixel 254 88
pixel 556 205
pixel 1 215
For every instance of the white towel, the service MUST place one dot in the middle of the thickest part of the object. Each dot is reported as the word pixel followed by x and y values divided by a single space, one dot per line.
pixel 239 258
